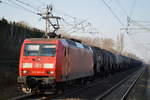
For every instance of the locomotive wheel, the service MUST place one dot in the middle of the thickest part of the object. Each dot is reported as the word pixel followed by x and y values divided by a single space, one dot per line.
pixel 26 90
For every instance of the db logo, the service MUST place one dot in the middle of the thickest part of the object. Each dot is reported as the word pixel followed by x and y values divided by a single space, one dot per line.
pixel 37 65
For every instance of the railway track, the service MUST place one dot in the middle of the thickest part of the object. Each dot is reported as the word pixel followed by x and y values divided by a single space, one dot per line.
pixel 96 90
pixel 43 96
pixel 121 90
pixel 124 97
pixel 22 97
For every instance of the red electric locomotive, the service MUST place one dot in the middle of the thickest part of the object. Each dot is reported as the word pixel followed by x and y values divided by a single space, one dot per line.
pixel 49 63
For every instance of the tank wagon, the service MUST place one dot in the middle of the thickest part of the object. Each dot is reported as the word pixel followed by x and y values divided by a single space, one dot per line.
pixel 55 63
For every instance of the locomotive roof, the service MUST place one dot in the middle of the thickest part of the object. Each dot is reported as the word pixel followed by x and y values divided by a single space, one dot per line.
pixel 64 40
pixel 41 39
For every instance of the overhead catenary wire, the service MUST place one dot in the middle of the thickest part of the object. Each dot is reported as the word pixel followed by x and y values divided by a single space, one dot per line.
pixel 76 25
pixel 27 4
pixel 43 4
pixel 131 13
pixel 113 13
pixel 139 25
pixel 79 29
pixel 40 1
pixel 136 27
pixel 22 7
pixel 119 4
pixel 133 8
pixel 128 20
pixel 8 4
pixel 143 21
pixel 65 14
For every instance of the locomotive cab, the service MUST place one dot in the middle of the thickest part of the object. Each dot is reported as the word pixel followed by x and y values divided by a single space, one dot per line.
pixel 37 64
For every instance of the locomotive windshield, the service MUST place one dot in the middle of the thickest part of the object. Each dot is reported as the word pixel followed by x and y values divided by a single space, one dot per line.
pixel 40 50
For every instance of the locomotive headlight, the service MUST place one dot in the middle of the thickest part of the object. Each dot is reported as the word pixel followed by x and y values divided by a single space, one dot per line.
pixel 50 72
pixel 27 65
pixel 25 71
pixel 49 66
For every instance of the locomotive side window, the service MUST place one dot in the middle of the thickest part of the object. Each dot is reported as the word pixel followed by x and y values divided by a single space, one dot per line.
pixel 71 43
pixel 85 46
pixel 40 50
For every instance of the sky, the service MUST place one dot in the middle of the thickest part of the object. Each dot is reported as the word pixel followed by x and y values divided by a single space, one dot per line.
pixel 94 11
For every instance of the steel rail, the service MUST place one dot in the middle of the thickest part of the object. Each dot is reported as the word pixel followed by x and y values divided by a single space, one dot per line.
pixel 44 96
pixel 21 97
pixel 117 85
pixel 74 92
pixel 132 85
pixel 68 93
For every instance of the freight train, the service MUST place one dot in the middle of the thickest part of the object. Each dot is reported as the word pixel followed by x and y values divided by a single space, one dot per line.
pixel 56 63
